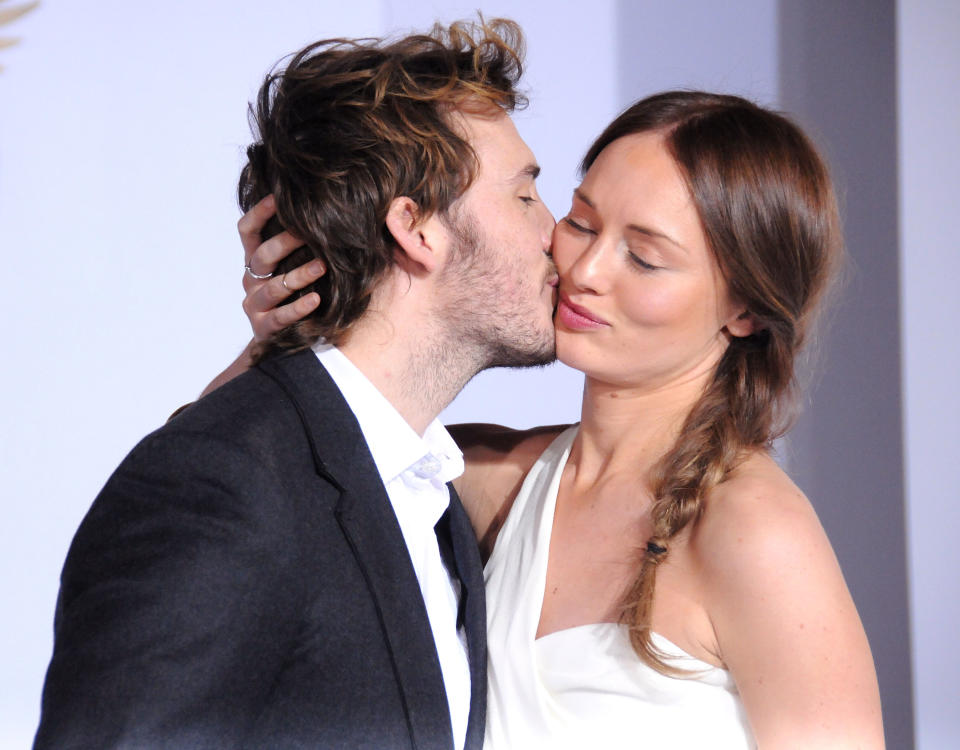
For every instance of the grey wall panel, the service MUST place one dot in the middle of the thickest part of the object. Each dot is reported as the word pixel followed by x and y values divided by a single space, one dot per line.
pixel 833 66
pixel 838 75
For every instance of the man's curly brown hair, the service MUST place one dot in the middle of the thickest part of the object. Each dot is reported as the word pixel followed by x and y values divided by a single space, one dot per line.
pixel 349 125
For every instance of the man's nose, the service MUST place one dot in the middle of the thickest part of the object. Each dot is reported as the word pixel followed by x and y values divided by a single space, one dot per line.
pixel 547 224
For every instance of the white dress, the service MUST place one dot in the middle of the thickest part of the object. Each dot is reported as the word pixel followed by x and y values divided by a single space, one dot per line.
pixel 584 687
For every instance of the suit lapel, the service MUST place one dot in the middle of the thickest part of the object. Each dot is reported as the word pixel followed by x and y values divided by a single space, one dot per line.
pixel 371 529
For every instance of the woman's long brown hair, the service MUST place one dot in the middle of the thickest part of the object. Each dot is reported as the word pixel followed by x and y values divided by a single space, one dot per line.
pixel 767 206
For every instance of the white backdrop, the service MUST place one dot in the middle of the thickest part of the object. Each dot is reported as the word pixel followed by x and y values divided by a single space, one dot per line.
pixel 929 53
pixel 122 128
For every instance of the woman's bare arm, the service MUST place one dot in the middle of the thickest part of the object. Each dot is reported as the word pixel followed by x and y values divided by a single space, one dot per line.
pixel 497 460
pixel 786 625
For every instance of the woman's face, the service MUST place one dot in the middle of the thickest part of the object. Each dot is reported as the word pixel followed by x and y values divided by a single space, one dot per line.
pixel 642 300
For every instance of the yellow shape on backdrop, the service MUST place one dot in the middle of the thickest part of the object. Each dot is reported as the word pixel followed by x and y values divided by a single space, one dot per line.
pixel 7 15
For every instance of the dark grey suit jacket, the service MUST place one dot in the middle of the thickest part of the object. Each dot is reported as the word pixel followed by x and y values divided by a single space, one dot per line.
pixel 241 581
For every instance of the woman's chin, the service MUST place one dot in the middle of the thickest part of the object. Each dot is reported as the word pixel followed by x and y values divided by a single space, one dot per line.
pixel 575 355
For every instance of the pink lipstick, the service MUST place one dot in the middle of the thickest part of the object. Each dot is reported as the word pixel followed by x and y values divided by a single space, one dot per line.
pixel 577 318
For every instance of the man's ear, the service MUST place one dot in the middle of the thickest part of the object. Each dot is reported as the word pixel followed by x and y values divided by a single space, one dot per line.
pixel 420 243
pixel 743 324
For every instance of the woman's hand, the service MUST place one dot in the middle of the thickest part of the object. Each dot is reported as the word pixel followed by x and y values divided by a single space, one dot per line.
pixel 262 303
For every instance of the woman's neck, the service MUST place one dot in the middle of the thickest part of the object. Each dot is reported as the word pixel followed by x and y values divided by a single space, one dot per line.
pixel 629 429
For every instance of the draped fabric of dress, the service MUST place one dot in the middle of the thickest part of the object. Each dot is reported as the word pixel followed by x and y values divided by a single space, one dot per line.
pixel 584 687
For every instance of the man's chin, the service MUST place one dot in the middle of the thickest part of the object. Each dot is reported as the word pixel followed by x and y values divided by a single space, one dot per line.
pixel 515 357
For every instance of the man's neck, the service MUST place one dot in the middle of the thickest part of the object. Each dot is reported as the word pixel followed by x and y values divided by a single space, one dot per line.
pixel 417 371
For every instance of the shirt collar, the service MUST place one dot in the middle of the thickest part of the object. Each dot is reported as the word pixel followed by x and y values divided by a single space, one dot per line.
pixel 393 443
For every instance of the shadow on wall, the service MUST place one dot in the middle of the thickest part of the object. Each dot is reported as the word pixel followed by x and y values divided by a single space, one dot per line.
pixel 838 77
pixel 832 66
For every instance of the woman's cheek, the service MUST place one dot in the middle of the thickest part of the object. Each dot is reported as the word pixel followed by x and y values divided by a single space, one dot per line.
pixel 562 251
pixel 654 302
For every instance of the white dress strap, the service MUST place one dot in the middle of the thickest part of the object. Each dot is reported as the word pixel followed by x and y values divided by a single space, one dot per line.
pixel 515 575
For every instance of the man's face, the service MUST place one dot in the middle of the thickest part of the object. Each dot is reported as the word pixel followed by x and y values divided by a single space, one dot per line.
pixel 499 286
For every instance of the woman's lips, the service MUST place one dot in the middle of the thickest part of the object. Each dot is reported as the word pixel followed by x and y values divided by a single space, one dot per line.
pixel 576 317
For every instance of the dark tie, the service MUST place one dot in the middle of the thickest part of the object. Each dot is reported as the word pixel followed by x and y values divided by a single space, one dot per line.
pixel 445 542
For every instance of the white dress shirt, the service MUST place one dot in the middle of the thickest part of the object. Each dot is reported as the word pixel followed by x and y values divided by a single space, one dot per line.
pixel 415 471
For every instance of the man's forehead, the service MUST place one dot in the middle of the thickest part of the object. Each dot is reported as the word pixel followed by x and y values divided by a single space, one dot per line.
pixel 498 145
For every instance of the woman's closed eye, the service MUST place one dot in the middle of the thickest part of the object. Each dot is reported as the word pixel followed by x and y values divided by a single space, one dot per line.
pixel 577 227
pixel 640 263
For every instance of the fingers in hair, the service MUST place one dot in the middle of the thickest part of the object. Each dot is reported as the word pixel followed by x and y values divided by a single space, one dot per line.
pixel 251 224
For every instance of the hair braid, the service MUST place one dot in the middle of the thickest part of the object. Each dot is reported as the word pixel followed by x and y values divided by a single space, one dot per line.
pixel 730 419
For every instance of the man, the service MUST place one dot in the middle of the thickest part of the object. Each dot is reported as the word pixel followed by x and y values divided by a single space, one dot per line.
pixel 283 564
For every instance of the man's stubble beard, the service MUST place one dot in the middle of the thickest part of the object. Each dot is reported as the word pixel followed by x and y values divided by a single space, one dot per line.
pixel 487 325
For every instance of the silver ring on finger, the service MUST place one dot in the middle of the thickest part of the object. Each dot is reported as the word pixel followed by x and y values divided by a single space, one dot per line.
pixel 283 280
pixel 258 276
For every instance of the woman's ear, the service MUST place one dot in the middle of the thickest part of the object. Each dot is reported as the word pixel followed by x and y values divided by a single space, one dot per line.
pixel 742 324
pixel 419 243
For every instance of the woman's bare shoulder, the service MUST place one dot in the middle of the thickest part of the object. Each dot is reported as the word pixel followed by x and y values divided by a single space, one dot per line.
pixel 757 518
pixel 496 460
pixel 757 494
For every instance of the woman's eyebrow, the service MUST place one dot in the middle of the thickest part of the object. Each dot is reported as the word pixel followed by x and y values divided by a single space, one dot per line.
pixel 646 231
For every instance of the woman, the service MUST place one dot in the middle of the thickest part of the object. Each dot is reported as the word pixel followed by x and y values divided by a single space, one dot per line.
pixel 654 577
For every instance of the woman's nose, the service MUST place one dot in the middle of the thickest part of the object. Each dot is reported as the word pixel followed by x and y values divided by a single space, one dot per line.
pixel 590 270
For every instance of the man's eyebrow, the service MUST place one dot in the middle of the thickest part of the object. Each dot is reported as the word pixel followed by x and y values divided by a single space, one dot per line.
pixel 646 231
pixel 530 172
